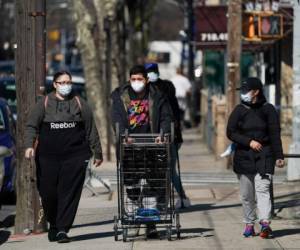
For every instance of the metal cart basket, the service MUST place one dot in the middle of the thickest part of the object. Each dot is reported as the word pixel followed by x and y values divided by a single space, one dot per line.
pixel 145 189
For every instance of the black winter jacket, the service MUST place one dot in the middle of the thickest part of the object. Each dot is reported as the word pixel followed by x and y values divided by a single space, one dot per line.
pixel 168 89
pixel 257 122
pixel 160 112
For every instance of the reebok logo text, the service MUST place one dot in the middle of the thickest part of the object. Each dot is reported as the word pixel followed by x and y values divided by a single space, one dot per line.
pixel 62 125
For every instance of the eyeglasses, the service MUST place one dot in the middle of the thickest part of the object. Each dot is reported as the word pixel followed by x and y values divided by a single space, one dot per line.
pixel 137 78
pixel 62 83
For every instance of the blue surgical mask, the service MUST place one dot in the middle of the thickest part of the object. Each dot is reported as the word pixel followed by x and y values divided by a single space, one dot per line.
pixel 152 76
pixel 64 89
pixel 246 97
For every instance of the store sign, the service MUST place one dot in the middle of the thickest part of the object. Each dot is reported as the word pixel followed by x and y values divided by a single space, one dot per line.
pixel 213 37
pixel 211 27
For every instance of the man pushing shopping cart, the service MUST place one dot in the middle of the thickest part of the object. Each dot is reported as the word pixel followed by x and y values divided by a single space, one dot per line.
pixel 142 121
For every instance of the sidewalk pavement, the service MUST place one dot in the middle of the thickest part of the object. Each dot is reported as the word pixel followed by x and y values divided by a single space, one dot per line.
pixel 214 221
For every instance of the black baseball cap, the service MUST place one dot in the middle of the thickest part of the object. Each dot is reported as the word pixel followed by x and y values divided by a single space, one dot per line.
pixel 250 83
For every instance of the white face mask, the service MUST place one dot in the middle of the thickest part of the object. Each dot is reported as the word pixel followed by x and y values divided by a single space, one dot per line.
pixel 64 89
pixel 138 86
pixel 246 97
pixel 152 76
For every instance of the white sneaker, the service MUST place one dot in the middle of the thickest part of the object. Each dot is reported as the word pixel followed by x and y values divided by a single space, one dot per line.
pixel 229 150
pixel 183 203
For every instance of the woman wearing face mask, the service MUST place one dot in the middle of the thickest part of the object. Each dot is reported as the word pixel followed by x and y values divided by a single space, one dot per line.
pixel 254 127
pixel 141 109
pixel 67 137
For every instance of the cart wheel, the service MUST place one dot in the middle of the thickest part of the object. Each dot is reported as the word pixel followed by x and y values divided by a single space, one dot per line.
pixel 169 233
pixel 116 228
pixel 125 234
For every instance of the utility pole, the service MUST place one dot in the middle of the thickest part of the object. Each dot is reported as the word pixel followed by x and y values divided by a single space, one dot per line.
pixel 293 171
pixel 40 45
pixel 234 48
pixel 277 52
pixel 30 75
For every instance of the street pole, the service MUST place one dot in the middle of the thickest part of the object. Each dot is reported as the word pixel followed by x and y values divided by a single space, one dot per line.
pixel 277 61
pixel 234 48
pixel 39 15
pixel 293 171
pixel 189 24
pixel 30 68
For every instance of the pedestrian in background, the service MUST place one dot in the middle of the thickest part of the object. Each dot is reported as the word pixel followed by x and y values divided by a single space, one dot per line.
pixel 183 91
pixel 168 90
pixel 254 127
pixel 64 127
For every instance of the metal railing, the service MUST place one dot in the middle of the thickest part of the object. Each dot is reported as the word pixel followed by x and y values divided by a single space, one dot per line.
pixel 271 185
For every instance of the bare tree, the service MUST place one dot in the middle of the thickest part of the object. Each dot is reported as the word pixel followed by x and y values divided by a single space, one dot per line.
pixel 106 29
pixel 90 41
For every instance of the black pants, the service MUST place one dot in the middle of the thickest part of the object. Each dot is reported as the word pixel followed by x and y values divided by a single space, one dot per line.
pixel 60 182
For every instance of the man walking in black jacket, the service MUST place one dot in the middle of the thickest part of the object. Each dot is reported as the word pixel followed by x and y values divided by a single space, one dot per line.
pixel 255 129
pixel 168 90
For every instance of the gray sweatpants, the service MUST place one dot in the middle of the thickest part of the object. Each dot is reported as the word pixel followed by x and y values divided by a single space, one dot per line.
pixel 255 194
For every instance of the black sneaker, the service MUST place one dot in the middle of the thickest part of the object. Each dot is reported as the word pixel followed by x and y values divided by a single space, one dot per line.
pixel 52 232
pixel 151 232
pixel 62 237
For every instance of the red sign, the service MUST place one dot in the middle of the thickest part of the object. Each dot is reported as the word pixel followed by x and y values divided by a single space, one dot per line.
pixel 211 27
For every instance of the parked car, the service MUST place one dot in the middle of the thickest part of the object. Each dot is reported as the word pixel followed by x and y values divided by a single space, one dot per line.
pixel 7 153
pixel 7 68
pixel 8 92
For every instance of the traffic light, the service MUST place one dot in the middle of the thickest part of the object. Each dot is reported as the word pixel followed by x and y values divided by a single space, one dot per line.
pixel 250 27
pixel 261 26
pixel 270 26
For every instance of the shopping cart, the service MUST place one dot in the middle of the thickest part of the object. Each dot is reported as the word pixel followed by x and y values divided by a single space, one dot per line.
pixel 145 189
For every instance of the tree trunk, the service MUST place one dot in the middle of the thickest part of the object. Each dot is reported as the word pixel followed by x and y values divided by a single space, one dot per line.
pixel 100 58
pixel 101 30
pixel 90 44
